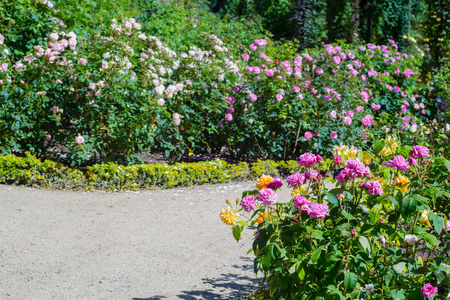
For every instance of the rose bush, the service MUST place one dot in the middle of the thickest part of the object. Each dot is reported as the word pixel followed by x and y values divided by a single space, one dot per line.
pixel 376 230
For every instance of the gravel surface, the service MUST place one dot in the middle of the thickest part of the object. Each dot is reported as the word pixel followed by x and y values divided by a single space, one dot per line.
pixel 161 244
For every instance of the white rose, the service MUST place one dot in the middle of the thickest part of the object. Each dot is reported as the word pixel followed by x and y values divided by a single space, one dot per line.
pixel 413 128
pixel 411 239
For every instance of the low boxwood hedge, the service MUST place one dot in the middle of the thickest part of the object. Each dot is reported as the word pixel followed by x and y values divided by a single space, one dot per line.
pixel 31 171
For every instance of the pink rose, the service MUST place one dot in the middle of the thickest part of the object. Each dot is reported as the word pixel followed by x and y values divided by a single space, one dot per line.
pixel 374 188
pixel 308 160
pixel 398 163
pixel 245 56
pixel 248 203
pixel 295 180
pixel 315 210
pixel 347 121
pixel 382 240
pixel 428 290
pixel 333 135
pixel 313 175
pixel 267 196
pixel 252 97
pixel 308 135
pixel 79 140
pixel 419 151
pixel 228 117
pixel 367 121
pixel 299 201
pixel 337 160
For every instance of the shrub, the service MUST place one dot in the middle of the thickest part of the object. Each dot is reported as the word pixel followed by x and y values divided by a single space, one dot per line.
pixel 381 232
pixel 31 171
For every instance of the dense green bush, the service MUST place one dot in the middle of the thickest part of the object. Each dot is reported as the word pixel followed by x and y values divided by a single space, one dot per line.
pixel 33 172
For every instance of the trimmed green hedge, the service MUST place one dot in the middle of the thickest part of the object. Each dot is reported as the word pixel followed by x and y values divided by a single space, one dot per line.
pixel 31 171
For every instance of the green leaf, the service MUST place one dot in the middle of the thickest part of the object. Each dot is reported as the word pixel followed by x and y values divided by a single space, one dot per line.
pixel 301 273
pixel 431 239
pixel 315 255
pixel 365 243
pixel 437 222
pixel 347 215
pixel 409 206
pixel 237 232
pixel 379 145
pixel 398 268
pixel 332 198
pixel 396 294
pixel 350 281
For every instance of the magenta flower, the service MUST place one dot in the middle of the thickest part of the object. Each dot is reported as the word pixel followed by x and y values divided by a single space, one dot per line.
pixel 315 210
pixel 248 203
pixel 367 121
pixel 374 188
pixel 313 175
pixel 444 225
pixel 319 71
pixel 354 168
pixel 398 163
pixel 299 201
pixel 412 161
pixel 308 135
pixel 419 151
pixel 308 160
pixel 295 180
pixel 337 160
pixel 267 196
pixel 333 135
pixel 276 183
pixel 428 290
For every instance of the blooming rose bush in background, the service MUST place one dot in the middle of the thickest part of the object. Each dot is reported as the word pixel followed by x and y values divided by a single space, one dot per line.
pixel 378 229
pixel 124 90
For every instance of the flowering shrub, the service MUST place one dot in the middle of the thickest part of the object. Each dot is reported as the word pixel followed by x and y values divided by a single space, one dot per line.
pixel 375 230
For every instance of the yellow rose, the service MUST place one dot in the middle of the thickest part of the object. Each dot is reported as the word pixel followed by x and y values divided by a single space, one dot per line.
pixel 295 193
pixel 402 183
pixel 424 217
pixel 228 216
pixel 263 181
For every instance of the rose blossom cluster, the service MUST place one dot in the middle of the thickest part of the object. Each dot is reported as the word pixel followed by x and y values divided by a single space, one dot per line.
pixel 312 209
pixel 354 168
pixel 309 160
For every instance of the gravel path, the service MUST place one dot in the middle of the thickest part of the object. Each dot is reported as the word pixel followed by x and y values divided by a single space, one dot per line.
pixel 162 244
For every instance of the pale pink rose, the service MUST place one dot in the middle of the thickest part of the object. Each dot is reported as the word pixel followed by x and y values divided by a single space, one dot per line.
pixel 79 140
pixel 382 240
pixel 347 120
pixel 359 109
pixel 160 102
pixel 245 57
pixel 137 26
pixel 279 97
pixel 269 73
pixel 105 65
pixel 4 67
pixel 252 97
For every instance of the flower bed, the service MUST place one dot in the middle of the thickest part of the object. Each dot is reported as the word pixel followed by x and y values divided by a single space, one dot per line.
pixel 381 233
